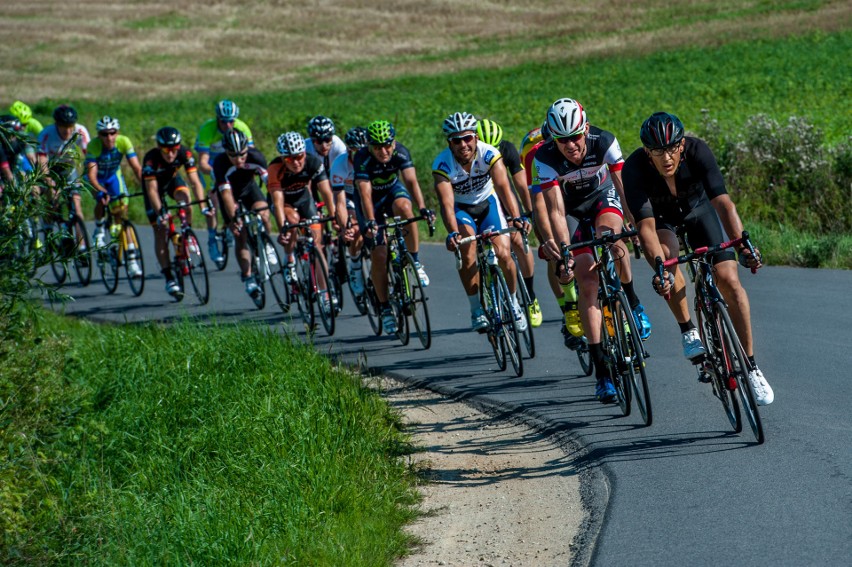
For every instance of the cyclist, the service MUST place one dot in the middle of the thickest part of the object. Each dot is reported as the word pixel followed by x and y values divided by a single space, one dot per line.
pixel 160 176
pixel 579 173
pixel 236 173
pixel 293 177
pixel 472 182
pixel 25 114
pixel 323 142
pixel 61 147
pixel 491 133
pixel 13 145
pixel 208 146
pixel 343 186
pixel 103 169
pixel 674 182
pixel 387 184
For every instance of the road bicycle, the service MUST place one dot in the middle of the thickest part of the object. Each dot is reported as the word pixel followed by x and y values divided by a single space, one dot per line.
pixel 121 248
pixel 526 301
pixel 69 243
pixel 188 259
pixel 311 270
pixel 624 352
pixel 335 249
pixel 266 265
pixel 496 301
pixel 223 240
pixel 725 365
pixel 406 295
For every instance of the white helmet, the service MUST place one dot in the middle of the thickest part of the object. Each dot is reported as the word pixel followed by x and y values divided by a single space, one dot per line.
pixel 565 117
pixel 290 144
pixel 459 122
pixel 107 123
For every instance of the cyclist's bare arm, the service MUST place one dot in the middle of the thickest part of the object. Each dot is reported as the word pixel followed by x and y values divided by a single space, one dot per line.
pixel 365 188
pixel 134 164
pixel 324 188
pixel 342 211
pixel 197 187
pixel 559 227
pixel 523 190
pixel 92 175
pixel 152 190
pixel 204 162
pixel 409 178
pixel 446 200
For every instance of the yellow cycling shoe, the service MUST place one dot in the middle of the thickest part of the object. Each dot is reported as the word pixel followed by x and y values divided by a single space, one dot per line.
pixel 535 313
pixel 573 323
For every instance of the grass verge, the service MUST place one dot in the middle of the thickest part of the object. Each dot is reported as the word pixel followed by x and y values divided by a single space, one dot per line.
pixel 211 445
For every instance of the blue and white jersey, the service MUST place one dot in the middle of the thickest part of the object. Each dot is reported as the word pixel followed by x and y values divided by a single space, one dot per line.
pixel 474 187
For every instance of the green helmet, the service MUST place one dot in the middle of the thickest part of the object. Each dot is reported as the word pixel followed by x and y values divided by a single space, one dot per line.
pixel 22 111
pixel 489 132
pixel 380 132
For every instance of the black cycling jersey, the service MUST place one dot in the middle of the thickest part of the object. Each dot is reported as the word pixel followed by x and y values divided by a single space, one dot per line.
pixel 382 176
pixel 155 166
pixel 511 157
pixel 239 180
pixel 697 180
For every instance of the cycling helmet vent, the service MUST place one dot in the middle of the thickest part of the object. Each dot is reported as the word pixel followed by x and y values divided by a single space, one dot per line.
pixel 381 132
pixel 660 130
pixel 227 110
pixel 107 123
pixel 290 144
pixel 234 141
pixel 489 132
pixel 459 122
pixel 320 127
pixel 168 136
pixel 566 117
pixel 356 138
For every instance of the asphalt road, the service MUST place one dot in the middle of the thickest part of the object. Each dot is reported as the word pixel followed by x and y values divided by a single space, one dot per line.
pixel 685 491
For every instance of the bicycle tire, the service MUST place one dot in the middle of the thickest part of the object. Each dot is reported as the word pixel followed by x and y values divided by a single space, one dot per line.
pixel 197 268
pixel 740 367
pixel 137 284
pixel 415 301
pixel 222 243
pixel 326 310
pixel 362 301
pixel 82 259
pixel 260 267
pixel 371 300
pixel 108 265
pixel 584 355
pixel 338 274
pixel 58 244
pixel 489 299
pixel 304 298
pixel 395 298
pixel 613 350
pixel 715 364
pixel 633 364
pixel 511 334
pixel 526 302
pixel 275 276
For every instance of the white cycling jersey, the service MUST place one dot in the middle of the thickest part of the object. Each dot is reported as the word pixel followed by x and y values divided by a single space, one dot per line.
pixel 342 175
pixel 474 187
pixel 51 145
pixel 338 148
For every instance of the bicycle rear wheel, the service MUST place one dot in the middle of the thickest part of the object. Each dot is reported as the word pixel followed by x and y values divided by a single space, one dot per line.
pixel 415 303
pixel 525 301
pixel 739 368
pixel 371 301
pixel 275 275
pixel 511 335
pixel 222 243
pixel 132 252
pixel 632 365
pixel 584 355
pixel 325 305
pixel 60 245
pixel 82 252
pixel 260 268
pixel 396 293
pixel 489 298
pixel 613 344
pixel 107 260
pixel 196 266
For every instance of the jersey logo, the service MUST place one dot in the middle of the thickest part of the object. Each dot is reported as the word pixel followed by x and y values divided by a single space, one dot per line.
pixel 443 166
pixel 489 155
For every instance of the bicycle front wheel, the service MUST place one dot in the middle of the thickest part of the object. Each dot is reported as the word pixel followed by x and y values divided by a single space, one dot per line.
pixel 306 292
pixel 371 300
pixel 260 268
pixel 489 297
pixel 60 245
pixel 511 335
pixel 196 266
pixel 275 275
pixel 632 364
pixel 526 302
pixel 739 368
pixel 396 297
pixel 414 301
pixel 714 367
pixel 82 253
pixel 325 299
pixel 612 332
pixel 222 243
pixel 133 253
pixel 108 258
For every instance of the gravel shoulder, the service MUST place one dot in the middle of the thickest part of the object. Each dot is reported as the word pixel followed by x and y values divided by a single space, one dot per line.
pixel 494 492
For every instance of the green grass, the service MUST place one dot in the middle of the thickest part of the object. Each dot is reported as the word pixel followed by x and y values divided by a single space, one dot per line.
pixel 205 445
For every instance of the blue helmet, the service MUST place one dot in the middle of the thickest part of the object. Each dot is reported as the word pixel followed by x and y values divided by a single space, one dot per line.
pixel 227 110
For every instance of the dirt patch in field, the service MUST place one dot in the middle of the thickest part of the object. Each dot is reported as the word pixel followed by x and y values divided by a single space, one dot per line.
pixel 497 493
pixel 139 49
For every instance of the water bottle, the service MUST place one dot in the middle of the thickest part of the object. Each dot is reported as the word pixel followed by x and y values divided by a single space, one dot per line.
pixel 607 315
pixel 491 257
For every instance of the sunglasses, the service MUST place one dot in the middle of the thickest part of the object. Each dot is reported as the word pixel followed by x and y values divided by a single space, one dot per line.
pixel 106 133
pixel 572 138
pixel 228 121
pixel 671 150
pixel 382 146
pixel 324 140
pixel 297 157
pixel 457 140
pixel 237 155
pixel 170 148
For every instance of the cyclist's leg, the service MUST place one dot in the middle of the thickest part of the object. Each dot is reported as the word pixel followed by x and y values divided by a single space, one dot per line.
pixel 469 272
pixel 402 207
pixel 378 273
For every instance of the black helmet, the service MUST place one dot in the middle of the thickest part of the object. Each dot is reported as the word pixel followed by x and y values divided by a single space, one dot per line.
pixel 661 130
pixel 65 115
pixel 10 122
pixel 320 127
pixel 234 141
pixel 356 138
pixel 168 136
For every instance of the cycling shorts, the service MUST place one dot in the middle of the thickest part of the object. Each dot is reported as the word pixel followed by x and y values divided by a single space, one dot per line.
pixel 175 185
pixel 383 205
pixel 248 197
pixel 704 229
pixel 114 185
pixel 303 202
pixel 484 216
pixel 581 219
